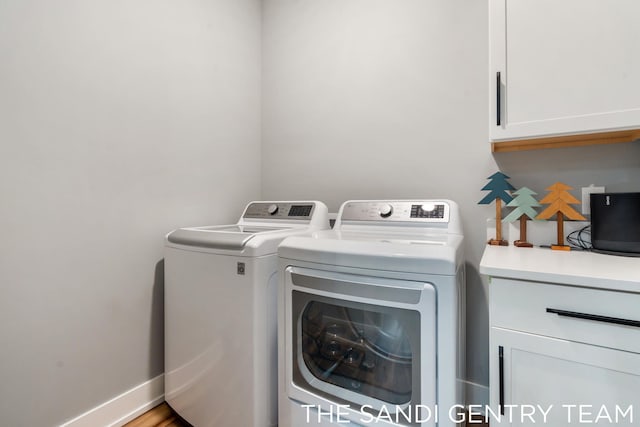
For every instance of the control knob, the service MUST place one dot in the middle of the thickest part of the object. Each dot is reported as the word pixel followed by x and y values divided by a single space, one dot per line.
pixel 386 210
pixel 272 209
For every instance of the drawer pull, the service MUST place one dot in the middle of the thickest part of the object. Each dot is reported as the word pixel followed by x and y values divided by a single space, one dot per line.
pixel 501 371
pixel 595 317
pixel 498 96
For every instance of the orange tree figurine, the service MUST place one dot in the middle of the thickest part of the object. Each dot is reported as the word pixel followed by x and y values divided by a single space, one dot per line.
pixel 525 208
pixel 559 200
pixel 498 187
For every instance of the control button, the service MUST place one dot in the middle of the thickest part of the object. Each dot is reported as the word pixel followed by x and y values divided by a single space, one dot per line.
pixel 272 209
pixel 428 207
pixel 386 210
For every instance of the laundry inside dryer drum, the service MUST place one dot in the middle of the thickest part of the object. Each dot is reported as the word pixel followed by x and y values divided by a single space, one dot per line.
pixel 364 351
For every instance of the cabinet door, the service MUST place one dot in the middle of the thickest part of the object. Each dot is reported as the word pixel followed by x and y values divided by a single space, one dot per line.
pixel 563 67
pixel 540 374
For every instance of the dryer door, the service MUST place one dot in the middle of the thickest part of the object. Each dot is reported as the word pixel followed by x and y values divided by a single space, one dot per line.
pixel 366 342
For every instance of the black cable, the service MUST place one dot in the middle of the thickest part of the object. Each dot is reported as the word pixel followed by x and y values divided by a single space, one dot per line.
pixel 580 239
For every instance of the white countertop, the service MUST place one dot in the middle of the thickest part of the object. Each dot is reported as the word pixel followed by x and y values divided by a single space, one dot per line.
pixel 579 268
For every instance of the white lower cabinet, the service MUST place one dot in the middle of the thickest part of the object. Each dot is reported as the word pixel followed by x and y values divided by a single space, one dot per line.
pixel 563 355
pixel 538 380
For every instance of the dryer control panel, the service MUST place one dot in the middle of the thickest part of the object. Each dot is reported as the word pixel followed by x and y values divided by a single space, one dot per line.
pixel 279 210
pixel 421 211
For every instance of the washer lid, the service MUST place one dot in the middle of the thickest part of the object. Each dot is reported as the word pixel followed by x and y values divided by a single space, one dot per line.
pixel 233 237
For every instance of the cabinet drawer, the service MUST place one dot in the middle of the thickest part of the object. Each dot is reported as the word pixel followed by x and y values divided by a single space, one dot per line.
pixel 586 315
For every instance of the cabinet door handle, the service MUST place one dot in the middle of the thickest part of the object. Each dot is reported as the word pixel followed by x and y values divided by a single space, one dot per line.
pixel 501 370
pixel 595 317
pixel 498 86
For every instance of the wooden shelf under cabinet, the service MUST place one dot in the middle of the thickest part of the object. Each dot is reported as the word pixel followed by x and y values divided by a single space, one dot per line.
pixel 566 141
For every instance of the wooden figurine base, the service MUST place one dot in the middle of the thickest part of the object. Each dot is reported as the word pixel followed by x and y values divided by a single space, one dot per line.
pixel 495 242
pixel 560 248
pixel 522 244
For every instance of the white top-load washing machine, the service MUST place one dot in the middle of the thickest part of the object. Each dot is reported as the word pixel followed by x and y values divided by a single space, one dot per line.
pixel 371 318
pixel 220 314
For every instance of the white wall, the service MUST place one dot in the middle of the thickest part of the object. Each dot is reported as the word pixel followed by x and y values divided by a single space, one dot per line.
pixel 119 121
pixel 389 99
pixel 382 99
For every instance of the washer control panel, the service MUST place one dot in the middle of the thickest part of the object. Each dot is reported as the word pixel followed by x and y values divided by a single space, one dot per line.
pixel 279 210
pixel 421 211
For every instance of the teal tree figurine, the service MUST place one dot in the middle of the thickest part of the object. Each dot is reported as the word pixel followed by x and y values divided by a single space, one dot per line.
pixel 525 208
pixel 498 187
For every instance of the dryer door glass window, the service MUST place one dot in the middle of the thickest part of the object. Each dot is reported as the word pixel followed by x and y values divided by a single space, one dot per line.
pixel 347 348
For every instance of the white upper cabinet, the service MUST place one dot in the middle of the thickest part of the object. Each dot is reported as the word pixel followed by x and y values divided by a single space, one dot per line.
pixel 560 67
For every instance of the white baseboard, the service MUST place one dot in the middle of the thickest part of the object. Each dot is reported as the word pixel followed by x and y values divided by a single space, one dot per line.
pixel 123 408
pixel 477 394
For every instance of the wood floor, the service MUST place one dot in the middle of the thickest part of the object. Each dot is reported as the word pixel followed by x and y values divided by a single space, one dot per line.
pixel 160 416
pixel 163 416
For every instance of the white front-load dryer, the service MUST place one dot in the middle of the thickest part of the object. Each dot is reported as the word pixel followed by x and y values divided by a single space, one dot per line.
pixel 220 314
pixel 371 318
